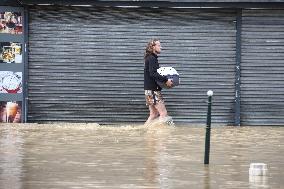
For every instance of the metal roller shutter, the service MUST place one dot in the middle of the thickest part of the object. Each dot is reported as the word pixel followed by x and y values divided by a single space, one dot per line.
pixel 86 63
pixel 262 88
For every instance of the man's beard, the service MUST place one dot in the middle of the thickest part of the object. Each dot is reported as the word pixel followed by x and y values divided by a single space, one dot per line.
pixel 156 52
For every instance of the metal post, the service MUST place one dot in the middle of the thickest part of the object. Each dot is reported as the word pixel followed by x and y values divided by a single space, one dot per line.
pixel 208 128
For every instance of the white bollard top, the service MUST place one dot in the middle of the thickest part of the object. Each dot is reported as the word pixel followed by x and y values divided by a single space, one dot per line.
pixel 258 169
pixel 210 93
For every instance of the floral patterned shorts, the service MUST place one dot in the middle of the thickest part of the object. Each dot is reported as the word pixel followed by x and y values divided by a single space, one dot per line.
pixel 152 97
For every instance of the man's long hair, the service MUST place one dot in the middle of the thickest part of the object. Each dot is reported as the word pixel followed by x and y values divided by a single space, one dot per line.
pixel 149 48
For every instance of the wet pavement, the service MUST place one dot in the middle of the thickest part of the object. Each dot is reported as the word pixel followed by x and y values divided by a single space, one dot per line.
pixel 82 156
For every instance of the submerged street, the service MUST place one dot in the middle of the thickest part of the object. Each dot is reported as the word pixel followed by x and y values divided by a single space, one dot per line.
pixel 84 156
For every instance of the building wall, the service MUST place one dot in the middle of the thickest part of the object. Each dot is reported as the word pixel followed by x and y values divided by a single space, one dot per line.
pixel 86 64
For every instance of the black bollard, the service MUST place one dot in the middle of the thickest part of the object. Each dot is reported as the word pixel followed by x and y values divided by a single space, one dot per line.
pixel 208 128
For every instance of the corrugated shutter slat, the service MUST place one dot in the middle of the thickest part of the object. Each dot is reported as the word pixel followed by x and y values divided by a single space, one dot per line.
pixel 262 88
pixel 86 64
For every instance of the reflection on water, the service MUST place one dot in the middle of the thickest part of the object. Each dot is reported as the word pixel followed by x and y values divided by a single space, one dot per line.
pixel 91 156
pixel 11 158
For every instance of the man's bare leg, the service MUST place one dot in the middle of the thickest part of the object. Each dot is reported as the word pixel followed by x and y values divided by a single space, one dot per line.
pixel 161 108
pixel 164 114
pixel 153 114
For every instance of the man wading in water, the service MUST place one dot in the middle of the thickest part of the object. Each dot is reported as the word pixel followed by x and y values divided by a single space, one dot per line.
pixel 153 95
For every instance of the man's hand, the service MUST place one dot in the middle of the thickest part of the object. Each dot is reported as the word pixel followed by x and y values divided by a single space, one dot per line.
pixel 169 83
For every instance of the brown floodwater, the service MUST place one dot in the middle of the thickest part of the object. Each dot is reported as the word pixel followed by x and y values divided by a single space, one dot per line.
pixel 82 156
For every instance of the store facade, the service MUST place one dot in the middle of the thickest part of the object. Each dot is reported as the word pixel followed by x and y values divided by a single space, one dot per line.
pixel 85 63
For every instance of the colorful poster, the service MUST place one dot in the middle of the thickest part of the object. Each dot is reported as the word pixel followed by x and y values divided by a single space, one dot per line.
pixel 10 82
pixel 10 112
pixel 11 22
pixel 11 52
pixel 11 76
